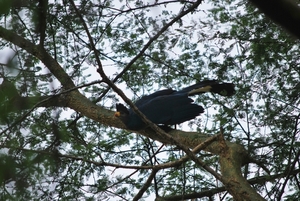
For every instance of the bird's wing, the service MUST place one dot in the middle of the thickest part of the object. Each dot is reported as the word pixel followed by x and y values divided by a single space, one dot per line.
pixel 156 94
pixel 132 120
pixel 171 109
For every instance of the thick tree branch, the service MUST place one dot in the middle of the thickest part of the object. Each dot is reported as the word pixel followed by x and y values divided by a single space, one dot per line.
pixel 235 183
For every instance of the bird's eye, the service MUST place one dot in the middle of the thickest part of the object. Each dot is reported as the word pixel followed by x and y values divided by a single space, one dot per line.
pixel 117 114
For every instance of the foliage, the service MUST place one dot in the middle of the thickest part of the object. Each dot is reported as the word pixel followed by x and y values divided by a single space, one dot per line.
pixel 51 151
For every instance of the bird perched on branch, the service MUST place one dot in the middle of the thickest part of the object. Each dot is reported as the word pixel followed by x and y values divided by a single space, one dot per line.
pixel 171 107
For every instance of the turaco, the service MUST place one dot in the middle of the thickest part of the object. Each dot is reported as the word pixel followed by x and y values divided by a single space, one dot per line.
pixel 171 107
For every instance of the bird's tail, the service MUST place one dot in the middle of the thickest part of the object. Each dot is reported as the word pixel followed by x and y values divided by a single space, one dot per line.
pixel 224 89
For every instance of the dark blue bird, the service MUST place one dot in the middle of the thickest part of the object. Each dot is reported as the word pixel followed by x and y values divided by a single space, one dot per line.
pixel 170 107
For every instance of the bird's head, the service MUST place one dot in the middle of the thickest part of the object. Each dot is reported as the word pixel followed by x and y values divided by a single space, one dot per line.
pixel 122 113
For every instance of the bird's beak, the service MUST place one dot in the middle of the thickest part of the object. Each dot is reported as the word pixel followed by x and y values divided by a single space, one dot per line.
pixel 117 114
